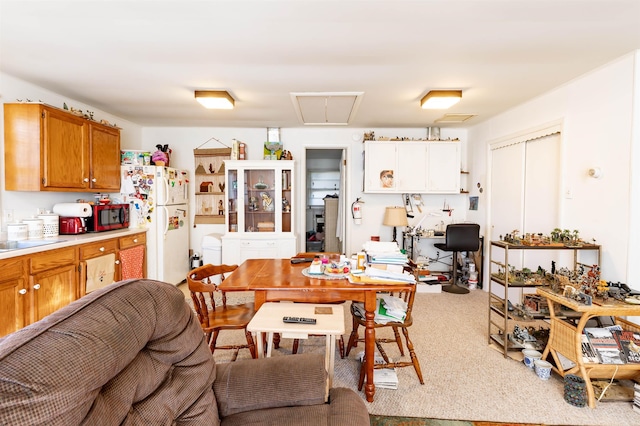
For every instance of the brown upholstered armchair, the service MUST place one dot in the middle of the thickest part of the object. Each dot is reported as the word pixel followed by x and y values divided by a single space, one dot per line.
pixel 134 353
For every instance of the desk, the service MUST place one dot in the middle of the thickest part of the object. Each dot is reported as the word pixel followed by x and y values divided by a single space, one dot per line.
pixel 277 280
pixel 268 320
pixel 565 338
pixel 409 242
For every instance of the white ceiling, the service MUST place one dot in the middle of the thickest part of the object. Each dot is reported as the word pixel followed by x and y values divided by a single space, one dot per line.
pixel 142 60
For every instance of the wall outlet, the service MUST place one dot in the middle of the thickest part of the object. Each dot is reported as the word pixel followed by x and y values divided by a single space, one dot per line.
pixel 568 194
pixel 7 216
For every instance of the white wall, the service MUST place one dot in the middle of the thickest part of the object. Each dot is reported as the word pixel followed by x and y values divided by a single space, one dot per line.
pixel 598 130
pixel 297 140
pixel 23 203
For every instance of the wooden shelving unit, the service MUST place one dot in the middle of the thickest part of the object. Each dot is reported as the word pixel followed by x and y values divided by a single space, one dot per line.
pixel 500 318
pixel 210 185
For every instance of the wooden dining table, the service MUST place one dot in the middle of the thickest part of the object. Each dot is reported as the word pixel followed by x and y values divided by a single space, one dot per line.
pixel 279 280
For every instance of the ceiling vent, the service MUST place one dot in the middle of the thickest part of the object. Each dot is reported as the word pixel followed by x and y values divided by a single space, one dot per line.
pixel 454 118
pixel 326 108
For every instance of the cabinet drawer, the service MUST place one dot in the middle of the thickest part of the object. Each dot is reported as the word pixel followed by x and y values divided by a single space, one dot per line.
pixel 133 240
pixel 12 269
pixel 52 259
pixel 88 251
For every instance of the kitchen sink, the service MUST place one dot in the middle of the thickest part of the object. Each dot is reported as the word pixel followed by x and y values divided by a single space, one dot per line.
pixel 6 246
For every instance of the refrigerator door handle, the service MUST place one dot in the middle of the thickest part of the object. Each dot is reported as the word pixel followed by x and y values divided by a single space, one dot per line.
pixel 165 225
pixel 165 181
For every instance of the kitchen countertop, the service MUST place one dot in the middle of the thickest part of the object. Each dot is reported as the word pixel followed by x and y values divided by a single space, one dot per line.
pixel 62 241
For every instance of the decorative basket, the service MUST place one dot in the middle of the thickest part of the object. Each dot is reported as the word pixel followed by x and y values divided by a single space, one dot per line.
pixel 575 390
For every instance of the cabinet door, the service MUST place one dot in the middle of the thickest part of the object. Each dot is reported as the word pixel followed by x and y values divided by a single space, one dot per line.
pixel 380 167
pixel 52 290
pixel 14 296
pixel 411 175
pixel 65 151
pixel 444 167
pixel 105 157
pixel 133 256
pixel 98 265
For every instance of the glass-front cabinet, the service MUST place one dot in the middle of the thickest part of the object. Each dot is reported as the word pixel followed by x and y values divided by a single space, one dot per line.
pixel 259 210
pixel 259 196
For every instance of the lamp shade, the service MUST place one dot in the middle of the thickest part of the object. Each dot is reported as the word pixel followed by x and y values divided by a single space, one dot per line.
pixel 395 216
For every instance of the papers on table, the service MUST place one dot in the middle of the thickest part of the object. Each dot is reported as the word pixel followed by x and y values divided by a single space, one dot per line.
pixel 389 274
pixel 380 247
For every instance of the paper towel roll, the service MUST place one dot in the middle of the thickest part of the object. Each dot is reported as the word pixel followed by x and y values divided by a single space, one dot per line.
pixel 72 209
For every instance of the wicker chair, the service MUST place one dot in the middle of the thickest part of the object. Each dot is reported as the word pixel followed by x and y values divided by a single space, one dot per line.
pixel 214 319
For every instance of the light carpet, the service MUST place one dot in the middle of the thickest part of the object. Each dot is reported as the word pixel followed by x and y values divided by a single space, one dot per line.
pixel 465 379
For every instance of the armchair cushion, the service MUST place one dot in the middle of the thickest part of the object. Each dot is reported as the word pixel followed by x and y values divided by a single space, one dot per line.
pixel 292 380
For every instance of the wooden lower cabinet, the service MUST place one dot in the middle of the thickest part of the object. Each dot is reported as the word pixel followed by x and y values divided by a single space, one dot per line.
pixel 52 290
pixel 34 286
pixel 53 281
pixel 106 250
pixel 14 296
pixel 129 256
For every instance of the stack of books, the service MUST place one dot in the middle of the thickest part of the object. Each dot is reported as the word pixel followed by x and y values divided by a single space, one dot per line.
pixel 388 309
pixel 605 345
pixel 610 345
pixel 636 397
pixel 383 378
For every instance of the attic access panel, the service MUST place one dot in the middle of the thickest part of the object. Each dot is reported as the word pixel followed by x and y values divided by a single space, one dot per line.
pixel 326 108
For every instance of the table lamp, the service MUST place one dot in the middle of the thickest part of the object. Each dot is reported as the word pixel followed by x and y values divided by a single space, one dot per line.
pixel 395 216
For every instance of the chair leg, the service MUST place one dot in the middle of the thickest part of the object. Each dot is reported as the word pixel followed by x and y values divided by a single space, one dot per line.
pixel 412 354
pixel 252 345
pixel 296 343
pixel 341 346
pixel 362 372
pixel 214 339
pixel 454 287
pixel 353 338
pixel 396 333
pixel 455 268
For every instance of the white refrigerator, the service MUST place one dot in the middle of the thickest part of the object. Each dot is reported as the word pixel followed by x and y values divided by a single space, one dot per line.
pixel 159 202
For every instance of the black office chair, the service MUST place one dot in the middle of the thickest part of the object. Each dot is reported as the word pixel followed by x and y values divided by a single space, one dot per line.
pixel 459 237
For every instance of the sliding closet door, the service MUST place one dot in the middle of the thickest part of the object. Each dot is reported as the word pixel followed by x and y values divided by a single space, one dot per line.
pixel 525 188
pixel 542 194
pixel 507 189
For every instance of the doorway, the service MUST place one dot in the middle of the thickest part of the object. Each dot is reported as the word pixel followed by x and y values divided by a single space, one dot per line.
pixel 325 182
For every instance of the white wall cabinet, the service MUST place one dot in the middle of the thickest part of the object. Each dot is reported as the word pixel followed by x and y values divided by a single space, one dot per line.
pixel 416 167
pixel 260 210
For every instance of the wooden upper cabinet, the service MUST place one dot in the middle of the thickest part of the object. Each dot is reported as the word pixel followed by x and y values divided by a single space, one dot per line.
pixel 105 157
pixel 65 152
pixel 49 149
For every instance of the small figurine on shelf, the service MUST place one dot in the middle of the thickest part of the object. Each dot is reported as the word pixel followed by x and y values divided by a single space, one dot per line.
pixel 220 208
pixel 253 204
pixel 286 206
pixel 267 202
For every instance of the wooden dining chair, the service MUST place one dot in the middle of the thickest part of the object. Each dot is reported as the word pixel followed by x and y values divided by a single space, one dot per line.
pixel 358 320
pixel 214 314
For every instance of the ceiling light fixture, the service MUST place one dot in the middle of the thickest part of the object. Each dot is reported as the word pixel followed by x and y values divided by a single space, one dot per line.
pixel 215 99
pixel 441 99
